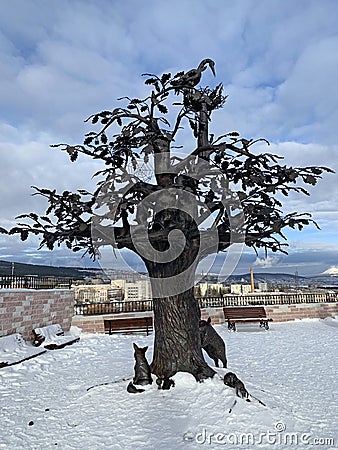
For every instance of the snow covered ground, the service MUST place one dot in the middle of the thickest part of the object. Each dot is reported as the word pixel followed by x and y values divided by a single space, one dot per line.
pixel 292 369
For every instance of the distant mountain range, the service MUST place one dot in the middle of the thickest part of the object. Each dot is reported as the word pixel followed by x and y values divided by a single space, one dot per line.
pixel 22 269
pixel 279 279
pixel 266 277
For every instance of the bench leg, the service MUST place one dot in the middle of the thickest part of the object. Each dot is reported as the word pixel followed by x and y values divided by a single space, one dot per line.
pixel 231 326
pixel 264 324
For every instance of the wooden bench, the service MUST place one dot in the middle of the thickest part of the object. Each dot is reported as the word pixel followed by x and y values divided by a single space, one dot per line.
pixel 53 337
pixel 246 314
pixel 14 349
pixel 129 325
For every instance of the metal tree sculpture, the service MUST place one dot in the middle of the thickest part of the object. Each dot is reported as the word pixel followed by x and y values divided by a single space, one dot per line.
pixel 220 193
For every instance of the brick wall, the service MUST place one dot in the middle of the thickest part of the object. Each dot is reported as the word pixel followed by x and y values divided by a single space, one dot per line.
pixel 216 315
pixel 21 310
pixel 279 313
pixel 283 313
pixel 93 324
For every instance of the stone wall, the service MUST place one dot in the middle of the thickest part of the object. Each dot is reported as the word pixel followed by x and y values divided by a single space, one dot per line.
pixel 22 310
pixel 279 313
pixel 283 313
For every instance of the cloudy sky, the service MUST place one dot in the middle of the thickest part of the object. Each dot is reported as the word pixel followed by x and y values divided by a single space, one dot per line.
pixel 62 60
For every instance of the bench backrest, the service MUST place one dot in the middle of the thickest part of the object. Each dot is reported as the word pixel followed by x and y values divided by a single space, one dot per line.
pixel 49 331
pixel 130 323
pixel 244 312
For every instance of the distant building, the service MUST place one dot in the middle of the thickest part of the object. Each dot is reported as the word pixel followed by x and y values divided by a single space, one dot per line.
pixel 210 289
pixel 96 293
pixel 117 290
pixel 240 289
pixel 262 287
pixel 140 290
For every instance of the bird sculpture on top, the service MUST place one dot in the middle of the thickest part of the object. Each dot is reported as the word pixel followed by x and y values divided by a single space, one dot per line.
pixel 191 78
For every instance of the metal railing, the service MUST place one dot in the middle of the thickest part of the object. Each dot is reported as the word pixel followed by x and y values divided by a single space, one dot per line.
pixel 32 282
pixel 267 299
pixel 91 309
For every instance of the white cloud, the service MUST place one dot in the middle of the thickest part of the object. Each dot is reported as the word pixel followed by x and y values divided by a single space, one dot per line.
pixel 63 61
pixel 34 163
pixel 266 263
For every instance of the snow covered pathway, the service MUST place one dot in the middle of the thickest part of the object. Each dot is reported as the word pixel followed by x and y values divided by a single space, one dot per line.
pixel 292 368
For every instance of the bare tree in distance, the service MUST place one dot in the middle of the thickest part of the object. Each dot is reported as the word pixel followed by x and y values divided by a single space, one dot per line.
pixel 219 192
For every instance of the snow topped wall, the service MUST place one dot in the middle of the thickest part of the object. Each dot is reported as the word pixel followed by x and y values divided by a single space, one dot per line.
pixel 283 313
pixel 22 310
pixel 279 313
